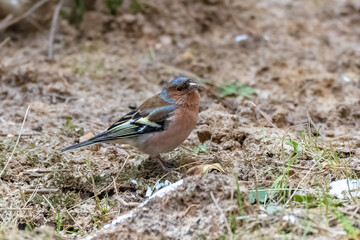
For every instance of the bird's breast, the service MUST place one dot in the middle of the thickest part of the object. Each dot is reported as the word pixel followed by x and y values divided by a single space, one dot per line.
pixel 178 129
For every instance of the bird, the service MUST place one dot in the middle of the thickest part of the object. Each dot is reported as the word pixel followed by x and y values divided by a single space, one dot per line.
pixel 157 126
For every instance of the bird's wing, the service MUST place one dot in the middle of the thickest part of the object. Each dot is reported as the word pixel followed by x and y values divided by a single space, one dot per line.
pixel 139 122
pixel 143 120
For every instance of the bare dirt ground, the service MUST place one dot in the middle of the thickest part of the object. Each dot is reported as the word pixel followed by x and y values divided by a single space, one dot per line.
pixel 298 132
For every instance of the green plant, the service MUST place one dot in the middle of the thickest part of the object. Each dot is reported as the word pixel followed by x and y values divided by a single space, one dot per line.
pixel 236 88
pixel 71 130
pixel 200 148
pixel 29 226
pixel 112 5
pixel 282 182
pixel 60 218
pixel 346 224
pixel 104 208
pixel 79 11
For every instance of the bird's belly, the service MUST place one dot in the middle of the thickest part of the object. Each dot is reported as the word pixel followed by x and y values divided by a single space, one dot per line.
pixel 167 140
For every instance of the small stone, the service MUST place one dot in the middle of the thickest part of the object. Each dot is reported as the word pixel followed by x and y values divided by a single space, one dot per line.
pixel 128 18
pixel 86 136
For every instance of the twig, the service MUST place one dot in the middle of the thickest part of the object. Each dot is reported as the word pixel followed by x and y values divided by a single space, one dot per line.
pixel 15 209
pixel 298 186
pixel 266 117
pixel 31 196
pixel 127 204
pixel 6 19
pixel 189 207
pixel 4 42
pixel 52 207
pixel 17 142
pixel 23 134
pixel 115 188
pixel 292 166
pixel 41 190
pixel 53 29
pixel 35 172
pixel 8 22
pixel 75 221
pixel 222 214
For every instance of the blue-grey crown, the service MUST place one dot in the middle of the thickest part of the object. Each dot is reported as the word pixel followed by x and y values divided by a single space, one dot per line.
pixel 179 81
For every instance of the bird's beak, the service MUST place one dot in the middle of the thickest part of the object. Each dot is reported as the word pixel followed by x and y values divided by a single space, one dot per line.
pixel 193 87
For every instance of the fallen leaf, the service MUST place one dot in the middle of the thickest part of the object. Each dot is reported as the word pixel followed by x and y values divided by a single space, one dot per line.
pixel 205 168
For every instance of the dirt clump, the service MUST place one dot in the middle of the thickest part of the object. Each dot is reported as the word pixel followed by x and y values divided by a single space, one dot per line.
pixel 193 212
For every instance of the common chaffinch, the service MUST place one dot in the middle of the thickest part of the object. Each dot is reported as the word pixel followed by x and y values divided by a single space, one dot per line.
pixel 159 125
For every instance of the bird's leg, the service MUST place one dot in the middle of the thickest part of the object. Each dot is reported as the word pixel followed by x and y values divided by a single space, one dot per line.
pixel 161 162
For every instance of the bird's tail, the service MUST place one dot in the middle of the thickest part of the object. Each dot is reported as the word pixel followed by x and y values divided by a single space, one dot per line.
pixel 79 145
pixel 94 140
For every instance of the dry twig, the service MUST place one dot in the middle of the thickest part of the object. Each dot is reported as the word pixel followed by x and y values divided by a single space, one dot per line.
pixel 41 190
pixel 17 142
pixel 8 21
pixel 53 29
pixel 15 209
pixel 6 40
pixel 223 215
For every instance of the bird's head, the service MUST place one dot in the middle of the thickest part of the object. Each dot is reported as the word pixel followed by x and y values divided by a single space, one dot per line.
pixel 181 91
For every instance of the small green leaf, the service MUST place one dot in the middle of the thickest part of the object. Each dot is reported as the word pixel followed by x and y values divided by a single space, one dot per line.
pixel 196 150
pixel 293 144
pixel 261 194
pixel 68 122
pixel 59 221
pixel 245 91
pixel 303 198
pixel 236 88
pixel 276 183
pixel 200 148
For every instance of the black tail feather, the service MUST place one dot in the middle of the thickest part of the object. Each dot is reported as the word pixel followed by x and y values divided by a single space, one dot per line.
pixel 79 145
pixel 94 140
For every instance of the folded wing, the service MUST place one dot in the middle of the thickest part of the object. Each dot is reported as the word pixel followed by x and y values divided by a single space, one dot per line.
pixel 133 124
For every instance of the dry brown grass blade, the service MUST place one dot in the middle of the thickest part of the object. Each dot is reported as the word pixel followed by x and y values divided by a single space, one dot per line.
pixel 7 22
pixel 17 142
pixel 6 40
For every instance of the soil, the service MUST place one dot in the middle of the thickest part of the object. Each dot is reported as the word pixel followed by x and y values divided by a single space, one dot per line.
pixel 301 57
pixel 192 212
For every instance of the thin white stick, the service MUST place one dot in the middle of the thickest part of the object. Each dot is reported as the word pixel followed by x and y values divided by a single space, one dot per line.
pixel 17 142
pixel 48 202
pixel 53 29
pixel 266 117
pixel 223 215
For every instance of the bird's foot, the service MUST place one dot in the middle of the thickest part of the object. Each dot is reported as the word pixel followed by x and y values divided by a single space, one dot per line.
pixel 162 164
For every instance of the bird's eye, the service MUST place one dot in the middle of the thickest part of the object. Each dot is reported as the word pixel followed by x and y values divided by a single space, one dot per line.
pixel 179 88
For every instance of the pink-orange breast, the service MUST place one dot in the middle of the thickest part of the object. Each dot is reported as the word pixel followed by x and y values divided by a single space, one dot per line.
pixel 181 124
